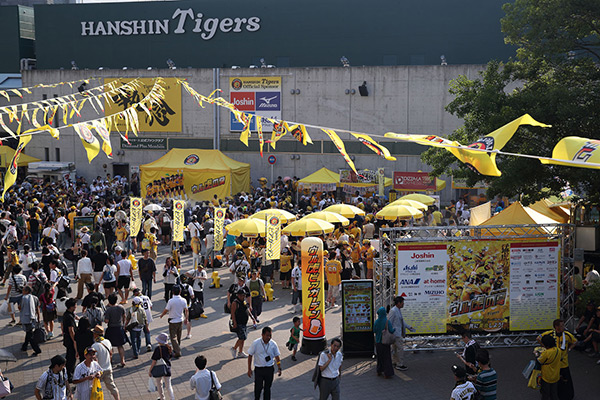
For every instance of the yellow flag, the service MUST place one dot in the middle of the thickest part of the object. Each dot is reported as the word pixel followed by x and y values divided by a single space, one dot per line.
pixel 6 128
pixel 575 151
pixel 273 249
pixel 261 140
pixel 90 143
pixel 279 131
pixel 178 220
pixel 104 132
pixel 218 231
pixel 341 148
pixel 373 145
pixel 135 215
pixel 299 132
pixel 483 162
pixel 246 119
pixel 11 173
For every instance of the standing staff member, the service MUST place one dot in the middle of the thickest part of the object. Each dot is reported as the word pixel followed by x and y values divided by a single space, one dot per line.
pixel 265 352
pixel 565 341
pixel 330 363
pixel 397 321
pixel 195 228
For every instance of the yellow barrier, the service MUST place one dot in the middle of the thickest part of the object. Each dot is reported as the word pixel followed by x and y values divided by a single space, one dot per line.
pixel 269 291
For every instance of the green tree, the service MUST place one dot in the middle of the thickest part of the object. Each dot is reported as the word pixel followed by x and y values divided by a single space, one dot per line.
pixel 552 85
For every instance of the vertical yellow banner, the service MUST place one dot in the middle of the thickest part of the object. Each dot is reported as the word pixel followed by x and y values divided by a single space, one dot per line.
pixel 11 172
pixel 135 216
pixel 273 237
pixel 313 289
pixel 381 181
pixel 219 223
pixel 178 220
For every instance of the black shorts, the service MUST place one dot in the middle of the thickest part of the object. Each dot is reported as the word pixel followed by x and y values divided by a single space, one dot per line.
pixel 123 282
pixel 108 285
pixel 285 276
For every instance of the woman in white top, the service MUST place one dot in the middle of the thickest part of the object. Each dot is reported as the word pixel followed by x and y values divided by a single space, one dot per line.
pixel 109 276
pixel 27 259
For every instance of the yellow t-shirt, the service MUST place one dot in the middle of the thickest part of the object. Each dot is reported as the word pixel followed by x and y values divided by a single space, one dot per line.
pixel 550 360
pixel 286 263
pixel 437 217
pixel 71 217
pixel 333 269
pixel 569 340
pixel 355 254
pixel 356 232
pixel 369 256
pixel 121 234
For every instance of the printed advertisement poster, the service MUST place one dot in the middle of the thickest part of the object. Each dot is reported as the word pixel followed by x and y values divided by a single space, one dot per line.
pixel 488 285
pixel 413 181
pixel 358 306
pixel 164 119
pixel 534 285
pixel 257 95
pixel 421 280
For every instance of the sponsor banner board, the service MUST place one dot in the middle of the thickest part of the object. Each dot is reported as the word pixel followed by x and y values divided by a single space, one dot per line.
pixel 413 181
pixel 256 95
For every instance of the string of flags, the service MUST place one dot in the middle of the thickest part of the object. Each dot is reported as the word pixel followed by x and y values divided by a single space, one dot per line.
pixel 480 155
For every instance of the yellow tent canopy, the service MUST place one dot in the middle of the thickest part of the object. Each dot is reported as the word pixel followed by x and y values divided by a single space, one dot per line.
pixel 516 214
pixel 555 213
pixel 204 173
pixel 324 176
pixel 7 154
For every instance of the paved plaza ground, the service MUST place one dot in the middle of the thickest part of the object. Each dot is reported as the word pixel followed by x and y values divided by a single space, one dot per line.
pixel 428 376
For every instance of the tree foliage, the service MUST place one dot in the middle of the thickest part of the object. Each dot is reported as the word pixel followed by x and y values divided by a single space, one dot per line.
pixel 546 82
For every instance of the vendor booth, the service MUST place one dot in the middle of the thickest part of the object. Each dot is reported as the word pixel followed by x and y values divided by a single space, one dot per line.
pixel 194 174
pixel 326 180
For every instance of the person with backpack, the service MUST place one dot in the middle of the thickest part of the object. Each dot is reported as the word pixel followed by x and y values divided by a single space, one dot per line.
pixel 27 258
pixel 83 337
pixel 109 276
pixel 165 227
pixel 37 280
pixel 147 272
pixel 53 383
pixel 34 229
pixel 48 306
pixel 108 228
pixel 16 283
pixel 93 310
pixel 98 239
pixel 135 323
pixel 147 306
pixel 98 262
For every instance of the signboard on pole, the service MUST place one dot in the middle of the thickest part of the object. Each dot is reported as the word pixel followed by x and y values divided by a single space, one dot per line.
pixel 257 95
pixel 484 285
pixel 410 181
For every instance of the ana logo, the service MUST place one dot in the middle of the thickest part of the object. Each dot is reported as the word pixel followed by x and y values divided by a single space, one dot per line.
pixel 136 203
pixel 410 281
pixel 236 84
pixel 220 214
pixel 484 143
pixel 178 206
pixel 274 221
pixel 191 159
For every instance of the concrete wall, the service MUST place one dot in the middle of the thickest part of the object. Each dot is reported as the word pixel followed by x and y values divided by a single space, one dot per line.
pixel 403 99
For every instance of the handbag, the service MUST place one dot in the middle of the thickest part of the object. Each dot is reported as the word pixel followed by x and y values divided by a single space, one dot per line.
pixel 535 379
pixel 528 369
pixel 96 393
pixel 386 336
pixel 151 385
pixel 213 393
pixel 39 333
pixel 5 387
pixel 231 328
pixel 161 368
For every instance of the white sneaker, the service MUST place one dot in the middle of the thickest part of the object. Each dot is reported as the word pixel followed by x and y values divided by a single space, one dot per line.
pixel 242 355
pixel 189 336
pixel 149 347
pixel 233 352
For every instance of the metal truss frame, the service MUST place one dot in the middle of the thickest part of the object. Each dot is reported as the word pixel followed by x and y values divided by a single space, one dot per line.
pixel 385 273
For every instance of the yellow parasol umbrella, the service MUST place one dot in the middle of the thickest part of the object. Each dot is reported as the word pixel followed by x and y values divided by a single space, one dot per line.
pixel 308 227
pixel 248 227
pixel 345 210
pixel 413 203
pixel 284 216
pixel 392 213
pixel 422 198
pixel 329 217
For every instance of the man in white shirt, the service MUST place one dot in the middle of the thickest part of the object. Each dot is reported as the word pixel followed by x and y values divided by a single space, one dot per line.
pixel 125 276
pixel 62 226
pixel 103 349
pixel 330 363
pixel 85 373
pixel 203 379
pixel 84 273
pixel 265 353
pixel 178 315
pixel 397 321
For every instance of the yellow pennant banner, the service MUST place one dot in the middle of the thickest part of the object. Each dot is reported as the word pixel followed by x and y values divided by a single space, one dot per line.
pixel 90 142
pixel 373 145
pixel 273 250
pixel 178 220
pixel 482 162
pixel 341 147
pixel 135 215
pixel 219 224
pixel 11 173
pixel 573 151
pixel 313 289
